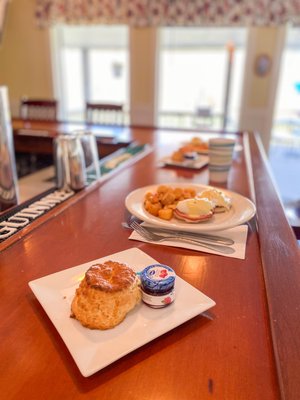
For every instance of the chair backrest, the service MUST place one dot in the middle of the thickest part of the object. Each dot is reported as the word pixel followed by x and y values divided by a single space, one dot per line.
pixel 292 210
pixel 104 113
pixel 203 117
pixel 37 109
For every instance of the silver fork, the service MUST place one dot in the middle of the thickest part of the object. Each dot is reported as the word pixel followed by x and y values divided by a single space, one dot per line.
pixel 153 237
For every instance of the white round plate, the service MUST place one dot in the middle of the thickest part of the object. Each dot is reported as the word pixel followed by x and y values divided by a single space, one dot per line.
pixel 242 210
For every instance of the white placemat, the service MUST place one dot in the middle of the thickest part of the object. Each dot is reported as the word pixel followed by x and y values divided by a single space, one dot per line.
pixel 238 234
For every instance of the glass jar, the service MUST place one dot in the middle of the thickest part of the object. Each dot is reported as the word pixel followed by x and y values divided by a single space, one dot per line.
pixel 158 285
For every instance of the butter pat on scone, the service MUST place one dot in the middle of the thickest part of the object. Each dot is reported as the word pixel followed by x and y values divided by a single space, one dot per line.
pixel 105 295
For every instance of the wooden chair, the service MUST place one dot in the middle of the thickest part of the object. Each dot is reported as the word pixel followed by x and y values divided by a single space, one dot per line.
pixel 104 113
pixel 38 109
pixel 292 211
pixel 203 117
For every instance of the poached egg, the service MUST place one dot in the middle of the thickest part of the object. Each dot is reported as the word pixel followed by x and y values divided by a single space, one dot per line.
pixel 221 201
pixel 194 210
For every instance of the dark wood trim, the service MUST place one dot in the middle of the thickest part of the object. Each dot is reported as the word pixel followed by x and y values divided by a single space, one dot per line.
pixel 280 256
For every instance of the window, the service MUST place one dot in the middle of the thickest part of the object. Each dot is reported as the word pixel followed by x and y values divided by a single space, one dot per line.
pixel 193 75
pixel 91 65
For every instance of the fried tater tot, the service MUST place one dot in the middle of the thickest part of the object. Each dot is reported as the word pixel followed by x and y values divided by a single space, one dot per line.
pixel 165 213
pixel 168 198
pixel 163 202
pixel 162 189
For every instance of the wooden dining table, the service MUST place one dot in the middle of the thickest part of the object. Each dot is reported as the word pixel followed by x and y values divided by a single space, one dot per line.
pixel 34 136
pixel 246 347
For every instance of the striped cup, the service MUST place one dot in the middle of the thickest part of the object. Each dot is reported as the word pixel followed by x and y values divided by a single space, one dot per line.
pixel 220 151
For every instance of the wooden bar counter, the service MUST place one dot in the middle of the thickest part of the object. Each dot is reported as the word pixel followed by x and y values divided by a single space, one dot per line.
pixel 248 350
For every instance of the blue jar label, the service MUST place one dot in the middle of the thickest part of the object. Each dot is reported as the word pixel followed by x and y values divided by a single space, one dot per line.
pixel 158 273
pixel 158 278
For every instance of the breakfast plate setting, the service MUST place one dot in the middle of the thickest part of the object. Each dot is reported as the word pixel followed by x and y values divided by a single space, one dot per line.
pixel 242 210
pixel 197 162
pixel 193 154
pixel 201 146
pixel 196 144
pixel 94 349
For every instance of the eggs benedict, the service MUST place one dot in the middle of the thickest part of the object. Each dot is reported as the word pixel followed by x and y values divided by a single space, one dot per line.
pixel 222 203
pixel 194 210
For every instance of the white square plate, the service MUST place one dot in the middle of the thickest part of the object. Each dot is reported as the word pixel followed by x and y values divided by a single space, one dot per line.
pixel 93 350
pixel 198 163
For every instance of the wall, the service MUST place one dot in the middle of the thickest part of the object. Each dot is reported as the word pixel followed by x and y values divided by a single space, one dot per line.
pixel 25 64
pixel 143 76
pixel 259 92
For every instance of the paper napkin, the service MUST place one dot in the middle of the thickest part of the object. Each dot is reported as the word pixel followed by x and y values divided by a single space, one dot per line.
pixel 238 234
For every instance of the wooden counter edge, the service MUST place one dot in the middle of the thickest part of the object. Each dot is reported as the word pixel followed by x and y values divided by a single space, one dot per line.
pixel 74 199
pixel 280 260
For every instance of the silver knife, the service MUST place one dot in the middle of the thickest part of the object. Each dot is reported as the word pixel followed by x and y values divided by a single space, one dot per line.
pixel 203 236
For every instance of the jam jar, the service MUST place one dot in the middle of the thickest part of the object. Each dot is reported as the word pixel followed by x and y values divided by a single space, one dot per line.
pixel 157 284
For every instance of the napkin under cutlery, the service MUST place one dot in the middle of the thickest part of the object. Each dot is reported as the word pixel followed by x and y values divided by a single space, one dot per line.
pixel 238 234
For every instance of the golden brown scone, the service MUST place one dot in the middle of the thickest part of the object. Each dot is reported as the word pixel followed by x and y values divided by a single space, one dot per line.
pixel 105 295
